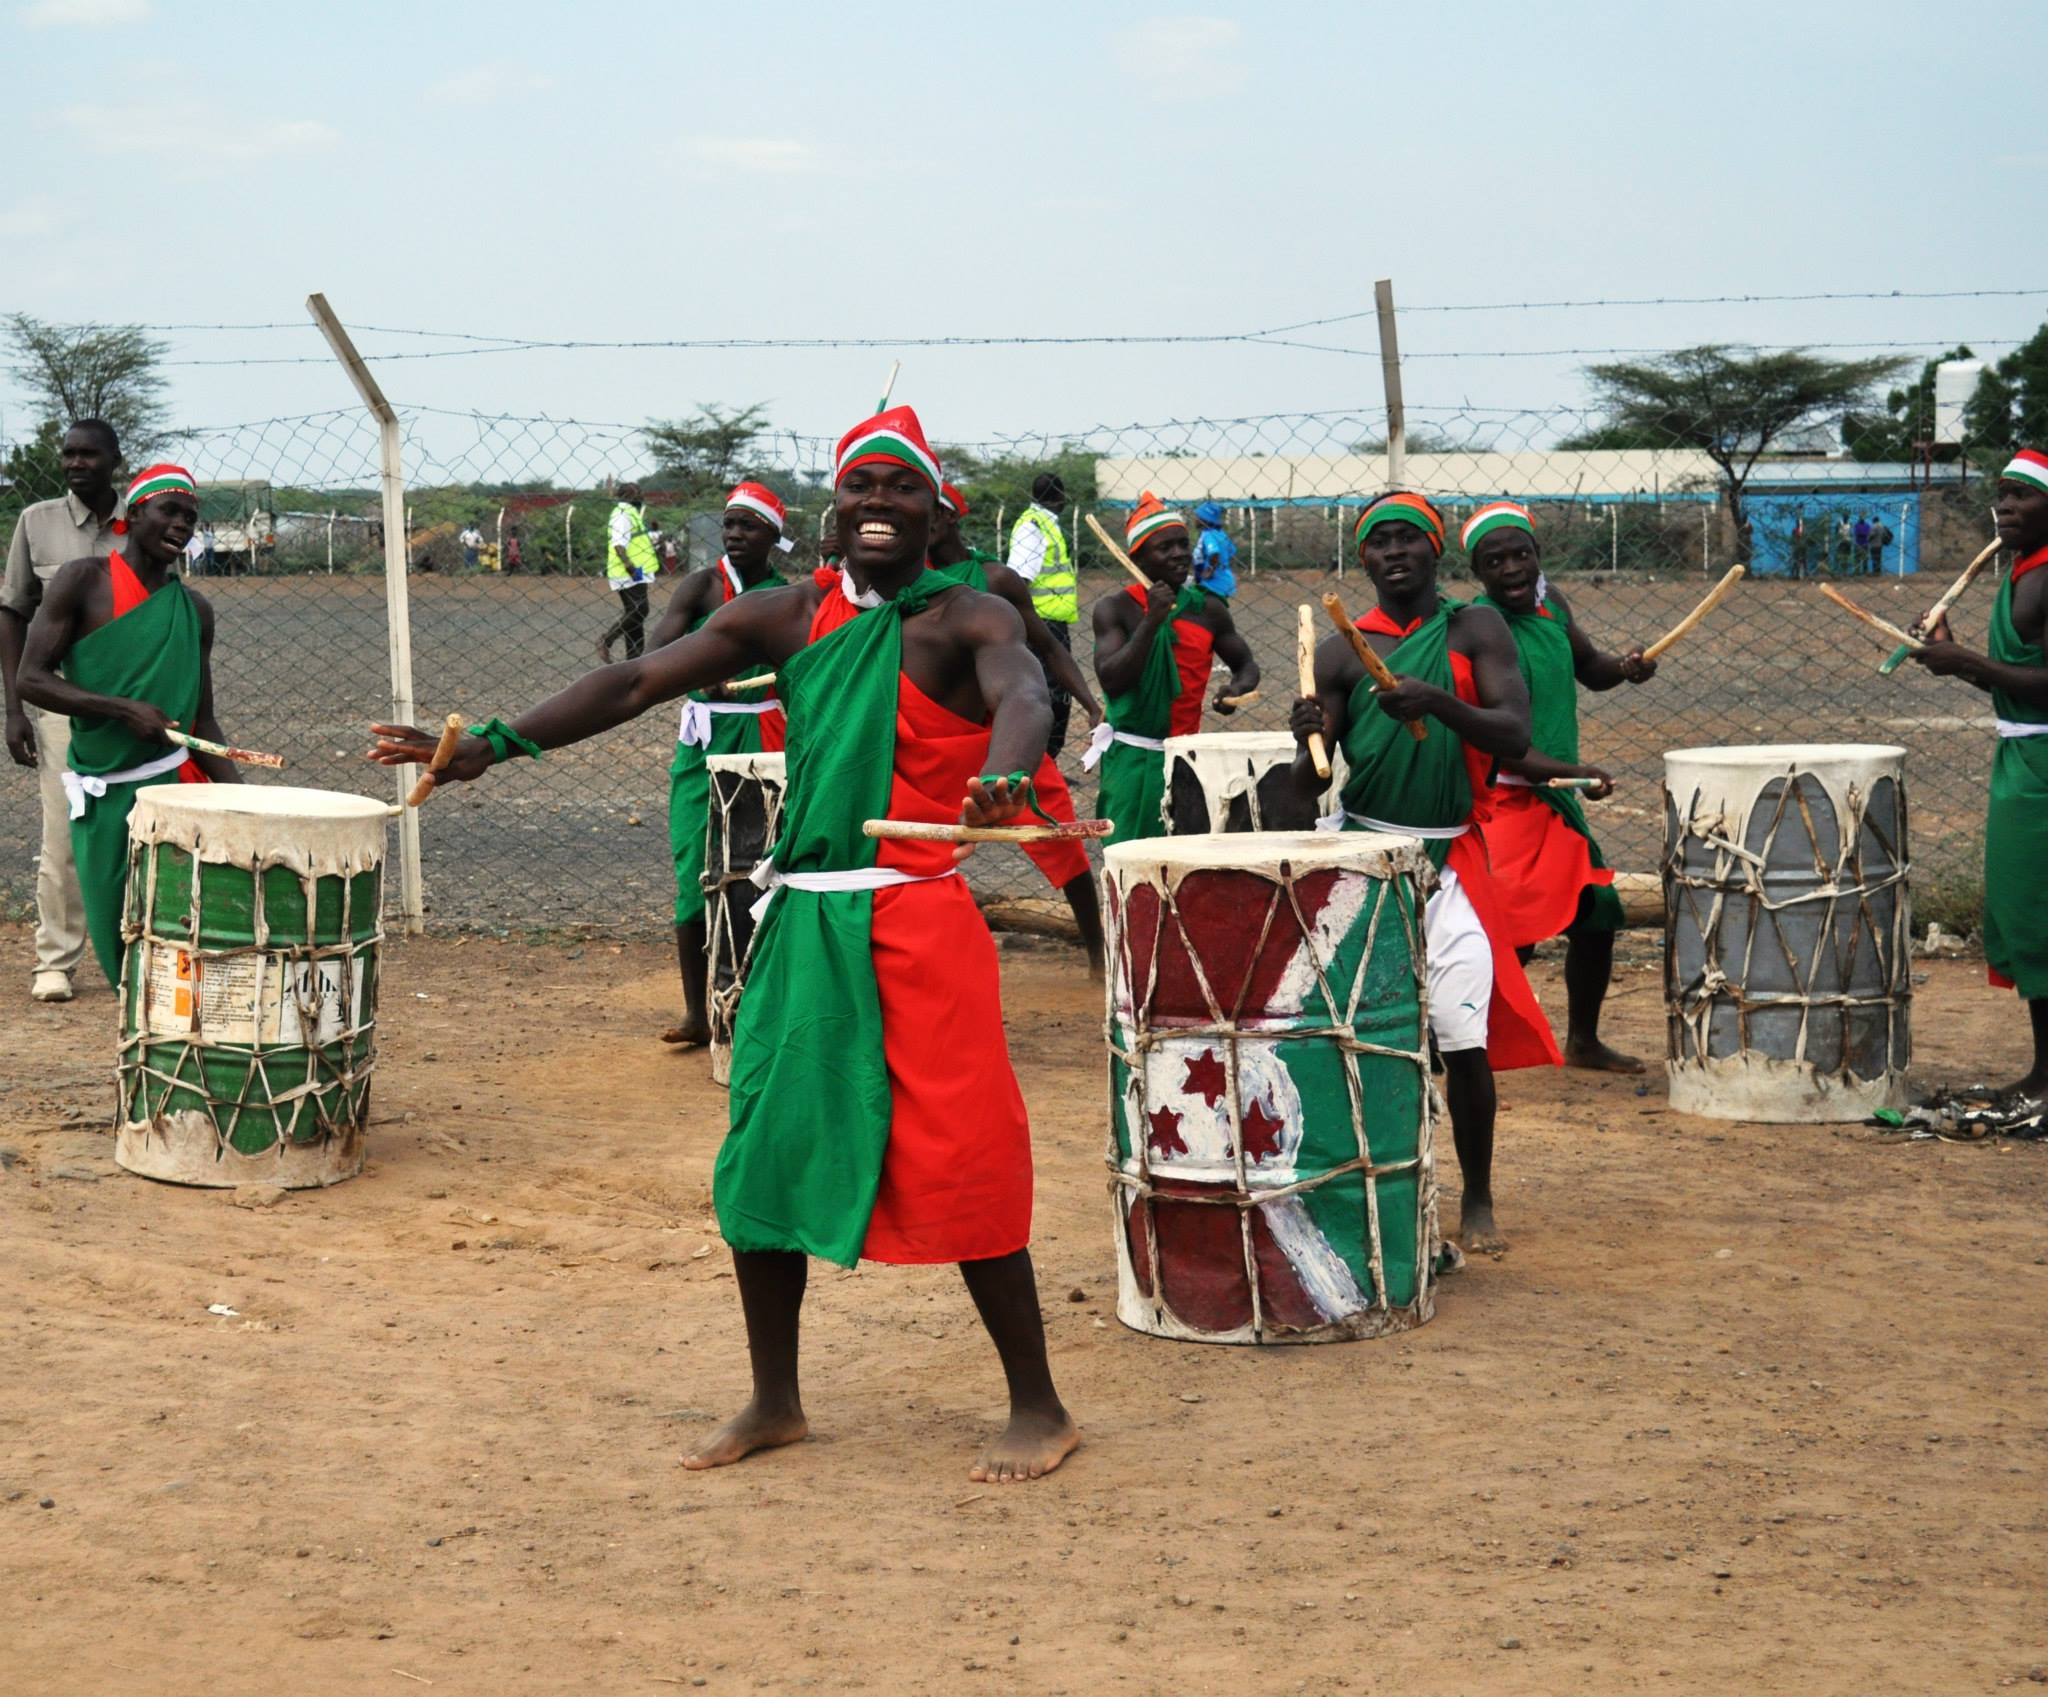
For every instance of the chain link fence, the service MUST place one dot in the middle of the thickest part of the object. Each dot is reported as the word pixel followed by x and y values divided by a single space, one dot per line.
pixel 506 541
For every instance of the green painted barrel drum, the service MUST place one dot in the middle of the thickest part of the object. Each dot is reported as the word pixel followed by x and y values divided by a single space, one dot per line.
pixel 249 984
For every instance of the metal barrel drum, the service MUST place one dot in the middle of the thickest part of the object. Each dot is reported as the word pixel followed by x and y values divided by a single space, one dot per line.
pixel 1788 913
pixel 1233 781
pixel 744 819
pixel 1270 1108
pixel 249 986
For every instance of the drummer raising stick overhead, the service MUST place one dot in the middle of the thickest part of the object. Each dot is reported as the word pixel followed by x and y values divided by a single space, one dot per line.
pixel 2015 675
pixel 874 1113
pixel 1152 651
pixel 1455 664
pixel 1550 873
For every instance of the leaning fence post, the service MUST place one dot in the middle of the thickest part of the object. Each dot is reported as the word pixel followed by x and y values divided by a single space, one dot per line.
pixel 412 904
pixel 568 542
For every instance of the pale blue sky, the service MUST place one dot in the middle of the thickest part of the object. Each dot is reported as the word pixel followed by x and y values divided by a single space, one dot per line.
pixel 616 170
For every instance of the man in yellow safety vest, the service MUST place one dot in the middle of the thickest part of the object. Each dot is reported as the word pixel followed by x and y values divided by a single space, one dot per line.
pixel 1040 556
pixel 630 565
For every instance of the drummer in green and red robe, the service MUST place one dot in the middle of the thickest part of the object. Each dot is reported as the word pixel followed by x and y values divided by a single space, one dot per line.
pixel 719 720
pixel 1457 670
pixel 1063 863
pixel 126 650
pixel 1153 649
pixel 1552 878
pixel 2015 675
pixel 874 1112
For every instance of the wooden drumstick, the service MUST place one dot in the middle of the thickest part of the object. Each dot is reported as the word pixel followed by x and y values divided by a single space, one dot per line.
pixel 1713 599
pixel 241 756
pixel 762 682
pixel 1569 783
pixel 918 831
pixel 1884 627
pixel 1117 554
pixel 1375 668
pixel 444 751
pixel 1305 664
pixel 1939 611
pixel 1236 701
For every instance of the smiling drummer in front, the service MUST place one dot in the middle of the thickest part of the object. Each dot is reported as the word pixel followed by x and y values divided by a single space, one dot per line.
pixel 1458 670
pixel 2015 675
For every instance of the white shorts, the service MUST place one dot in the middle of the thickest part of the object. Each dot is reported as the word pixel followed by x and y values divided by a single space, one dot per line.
pixel 1460 967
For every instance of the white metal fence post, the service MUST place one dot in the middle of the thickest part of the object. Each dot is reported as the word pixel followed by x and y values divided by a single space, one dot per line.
pixel 412 904
pixel 1390 377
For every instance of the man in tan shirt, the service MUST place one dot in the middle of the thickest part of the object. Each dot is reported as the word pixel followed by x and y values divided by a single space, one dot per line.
pixel 49 535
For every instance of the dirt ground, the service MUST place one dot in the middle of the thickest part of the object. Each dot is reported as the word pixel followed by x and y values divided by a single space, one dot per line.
pixel 1743 1408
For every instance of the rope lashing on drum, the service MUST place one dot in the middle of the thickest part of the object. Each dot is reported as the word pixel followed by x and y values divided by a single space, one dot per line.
pixel 334 1073
pixel 1136 1190
pixel 1738 875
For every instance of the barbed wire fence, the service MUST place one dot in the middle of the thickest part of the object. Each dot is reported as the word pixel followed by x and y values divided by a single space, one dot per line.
pixel 578 841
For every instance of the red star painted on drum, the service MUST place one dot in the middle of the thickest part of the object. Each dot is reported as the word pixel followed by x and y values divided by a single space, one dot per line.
pixel 1205 1077
pixel 1261 1132
pixel 1165 1138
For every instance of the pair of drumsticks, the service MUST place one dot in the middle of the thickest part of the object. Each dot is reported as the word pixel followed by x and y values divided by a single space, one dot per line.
pixel 1911 641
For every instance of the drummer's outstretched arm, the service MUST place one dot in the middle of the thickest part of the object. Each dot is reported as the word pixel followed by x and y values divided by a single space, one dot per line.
pixel 1499 724
pixel 738 635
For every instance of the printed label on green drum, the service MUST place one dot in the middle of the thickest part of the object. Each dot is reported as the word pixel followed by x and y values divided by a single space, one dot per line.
pixel 250 999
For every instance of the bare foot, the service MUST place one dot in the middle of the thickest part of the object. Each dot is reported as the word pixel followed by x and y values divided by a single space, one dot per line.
pixel 687 1036
pixel 1030 1447
pixel 1477 1233
pixel 1597 1057
pixel 747 1431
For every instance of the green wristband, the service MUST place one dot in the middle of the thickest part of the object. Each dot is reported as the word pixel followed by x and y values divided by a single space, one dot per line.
pixel 506 743
pixel 1020 781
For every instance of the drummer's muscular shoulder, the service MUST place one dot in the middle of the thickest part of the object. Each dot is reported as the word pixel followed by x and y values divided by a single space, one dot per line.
pixel 2030 605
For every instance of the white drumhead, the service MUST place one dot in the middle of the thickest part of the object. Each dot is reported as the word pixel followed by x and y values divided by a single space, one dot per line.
pixel 1726 780
pixel 1167 860
pixel 1241 743
pixel 769 768
pixel 256 825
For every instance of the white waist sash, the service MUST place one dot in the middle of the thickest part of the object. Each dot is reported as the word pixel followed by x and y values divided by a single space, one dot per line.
pixel 2013 728
pixel 1105 733
pixel 79 785
pixel 770 879
pixel 1428 833
pixel 695 725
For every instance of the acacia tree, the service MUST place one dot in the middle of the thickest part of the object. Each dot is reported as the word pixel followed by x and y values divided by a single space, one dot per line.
pixel 1728 403
pixel 93 371
pixel 705 454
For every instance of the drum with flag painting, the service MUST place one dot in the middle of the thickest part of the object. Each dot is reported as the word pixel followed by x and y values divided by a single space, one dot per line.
pixel 1787 961
pixel 249 984
pixel 1269 1100
pixel 743 821
pixel 1233 781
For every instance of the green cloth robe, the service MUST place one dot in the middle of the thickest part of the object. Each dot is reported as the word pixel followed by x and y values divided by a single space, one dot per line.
pixel 689 782
pixel 150 653
pixel 2016 826
pixel 1543 648
pixel 1393 777
pixel 1131 782
pixel 802 1161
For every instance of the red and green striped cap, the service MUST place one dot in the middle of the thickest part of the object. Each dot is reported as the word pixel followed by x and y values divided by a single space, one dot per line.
pixel 1405 507
pixel 895 436
pixel 2028 466
pixel 1495 515
pixel 157 480
pixel 1149 518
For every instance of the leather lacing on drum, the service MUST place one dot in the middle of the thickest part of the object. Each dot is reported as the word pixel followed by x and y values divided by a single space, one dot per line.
pixel 333 1100
pixel 1738 875
pixel 1404 898
pixel 725 906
